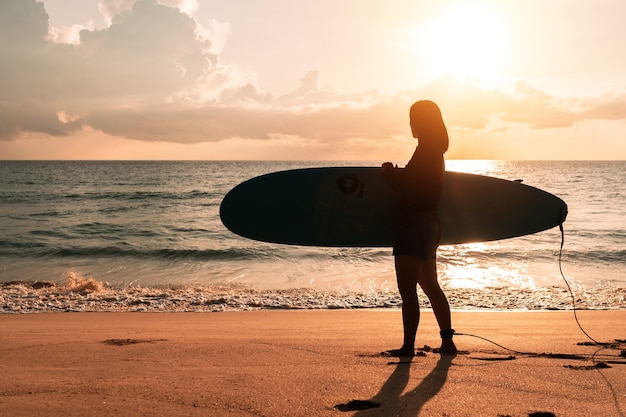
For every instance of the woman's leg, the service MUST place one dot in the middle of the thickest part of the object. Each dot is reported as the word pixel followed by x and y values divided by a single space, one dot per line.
pixel 430 285
pixel 408 270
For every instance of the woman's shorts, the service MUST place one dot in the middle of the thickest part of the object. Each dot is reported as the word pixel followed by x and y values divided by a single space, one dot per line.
pixel 417 234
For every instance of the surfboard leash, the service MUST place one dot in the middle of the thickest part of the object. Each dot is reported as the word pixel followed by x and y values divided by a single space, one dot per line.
pixel 571 292
pixel 602 346
pixel 569 288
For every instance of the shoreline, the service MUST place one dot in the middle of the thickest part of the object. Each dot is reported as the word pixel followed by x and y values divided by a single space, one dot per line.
pixel 89 295
pixel 309 363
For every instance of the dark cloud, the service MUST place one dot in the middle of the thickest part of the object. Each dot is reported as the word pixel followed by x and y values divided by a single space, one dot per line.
pixel 23 24
pixel 214 123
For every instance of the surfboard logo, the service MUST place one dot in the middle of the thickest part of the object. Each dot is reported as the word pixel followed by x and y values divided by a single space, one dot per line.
pixel 349 184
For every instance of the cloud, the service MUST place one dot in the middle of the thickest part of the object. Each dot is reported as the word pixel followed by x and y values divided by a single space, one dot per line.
pixel 146 55
pixel 112 8
pixel 154 74
pixel 472 107
pixel 611 106
pixel 23 24
pixel 185 6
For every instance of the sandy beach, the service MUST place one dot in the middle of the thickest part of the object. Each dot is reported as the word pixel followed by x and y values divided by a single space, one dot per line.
pixel 308 363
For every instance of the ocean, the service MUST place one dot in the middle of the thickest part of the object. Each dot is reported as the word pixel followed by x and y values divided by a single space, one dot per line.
pixel 103 235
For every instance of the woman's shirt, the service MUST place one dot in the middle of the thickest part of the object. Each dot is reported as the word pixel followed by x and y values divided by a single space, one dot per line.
pixel 420 182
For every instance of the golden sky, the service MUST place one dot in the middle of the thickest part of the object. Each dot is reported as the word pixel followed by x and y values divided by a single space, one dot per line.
pixel 323 79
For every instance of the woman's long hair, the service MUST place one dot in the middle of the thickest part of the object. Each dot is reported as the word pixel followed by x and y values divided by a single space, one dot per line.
pixel 427 122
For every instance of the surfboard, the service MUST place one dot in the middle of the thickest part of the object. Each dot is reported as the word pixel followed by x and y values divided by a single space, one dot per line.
pixel 355 207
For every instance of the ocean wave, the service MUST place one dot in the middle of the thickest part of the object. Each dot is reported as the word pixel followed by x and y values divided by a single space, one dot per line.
pixel 231 254
pixel 106 196
pixel 121 196
pixel 604 256
pixel 86 294
pixel 453 257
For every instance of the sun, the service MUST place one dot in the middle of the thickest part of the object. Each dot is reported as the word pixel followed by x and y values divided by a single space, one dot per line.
pixel 466 40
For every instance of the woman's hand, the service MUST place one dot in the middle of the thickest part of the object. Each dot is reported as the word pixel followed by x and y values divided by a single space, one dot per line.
pixel 387 166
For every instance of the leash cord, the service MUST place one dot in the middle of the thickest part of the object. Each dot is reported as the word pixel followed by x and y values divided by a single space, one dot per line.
pixel 569 288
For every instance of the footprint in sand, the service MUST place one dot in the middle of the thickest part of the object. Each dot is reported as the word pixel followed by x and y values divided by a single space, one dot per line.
pixel 126 342
pixel 356 405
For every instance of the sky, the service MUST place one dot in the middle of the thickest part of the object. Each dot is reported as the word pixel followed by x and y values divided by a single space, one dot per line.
pixel 310 80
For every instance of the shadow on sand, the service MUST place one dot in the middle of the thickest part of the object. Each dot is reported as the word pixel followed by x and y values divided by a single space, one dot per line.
pixel 391 398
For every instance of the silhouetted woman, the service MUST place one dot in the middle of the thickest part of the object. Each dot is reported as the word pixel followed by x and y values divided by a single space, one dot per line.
pixel 417 225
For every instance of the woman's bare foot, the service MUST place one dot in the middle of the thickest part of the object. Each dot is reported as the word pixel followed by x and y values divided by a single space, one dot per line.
pixel 447 347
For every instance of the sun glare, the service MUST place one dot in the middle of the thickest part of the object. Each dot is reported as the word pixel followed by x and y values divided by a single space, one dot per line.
pixel 466 41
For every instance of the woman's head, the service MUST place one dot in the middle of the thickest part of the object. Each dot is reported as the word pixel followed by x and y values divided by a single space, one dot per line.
pixel 428 127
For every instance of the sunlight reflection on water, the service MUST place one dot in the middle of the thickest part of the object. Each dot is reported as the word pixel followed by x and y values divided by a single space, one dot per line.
pixel 472 265
pixel 480 167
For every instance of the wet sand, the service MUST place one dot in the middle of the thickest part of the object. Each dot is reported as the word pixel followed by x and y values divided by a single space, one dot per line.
pixel 309 363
